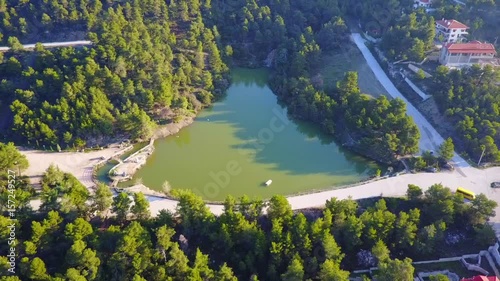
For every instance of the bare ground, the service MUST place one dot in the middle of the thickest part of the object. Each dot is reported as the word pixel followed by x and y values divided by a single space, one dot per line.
pixel 80 164
pixel 173 128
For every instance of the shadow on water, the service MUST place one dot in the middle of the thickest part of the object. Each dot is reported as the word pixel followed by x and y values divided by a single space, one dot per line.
pixel 250 77
pixel 269 136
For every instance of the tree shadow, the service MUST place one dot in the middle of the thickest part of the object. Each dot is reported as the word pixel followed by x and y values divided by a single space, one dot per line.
pixel 269 136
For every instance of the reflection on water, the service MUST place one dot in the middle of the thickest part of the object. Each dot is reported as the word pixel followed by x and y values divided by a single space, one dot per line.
pixel 246 139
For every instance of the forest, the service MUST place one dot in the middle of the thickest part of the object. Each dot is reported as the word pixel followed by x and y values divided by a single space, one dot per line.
pixel 149 62
pixel 152 63
pixel 76 235
pixel 470 98
pixel 377 128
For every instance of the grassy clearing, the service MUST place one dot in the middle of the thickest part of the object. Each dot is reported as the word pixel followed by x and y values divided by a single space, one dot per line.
pixel 337 63
pixel 453 266
pixel 456 267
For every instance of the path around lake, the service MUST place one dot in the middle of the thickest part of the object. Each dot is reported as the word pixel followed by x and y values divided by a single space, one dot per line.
pixel 476 180
pixel 80 164
pixel 465 176
pixel 430 138
pixel 53 45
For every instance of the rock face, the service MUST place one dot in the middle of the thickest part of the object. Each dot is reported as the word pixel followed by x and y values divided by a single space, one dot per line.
pixel 173 128
pixel 269 61
pixel 183 242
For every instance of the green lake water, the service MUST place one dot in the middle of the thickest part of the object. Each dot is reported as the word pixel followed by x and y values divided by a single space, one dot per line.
pixel 243 141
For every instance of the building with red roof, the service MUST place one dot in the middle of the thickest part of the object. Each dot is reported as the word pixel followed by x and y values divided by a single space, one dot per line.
pixel 451 30
pixel 481 278
pixel 467 54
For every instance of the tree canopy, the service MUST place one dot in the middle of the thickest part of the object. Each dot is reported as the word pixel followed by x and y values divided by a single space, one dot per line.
pixel 152 63
pixel 79 236
pixel 470 99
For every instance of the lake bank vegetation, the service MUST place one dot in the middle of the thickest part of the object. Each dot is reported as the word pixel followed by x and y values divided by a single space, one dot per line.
pixel 81 236
pixel 151 62
pixel 468 99
pixel 148 62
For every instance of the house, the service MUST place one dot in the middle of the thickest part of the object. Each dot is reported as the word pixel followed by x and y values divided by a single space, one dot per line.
pixel 422 3
pixel 467 54
pixel 451 30
pixel 481 278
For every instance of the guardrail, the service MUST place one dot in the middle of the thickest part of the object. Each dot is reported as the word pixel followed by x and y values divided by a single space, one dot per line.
pixel 102 162
pixel 149 146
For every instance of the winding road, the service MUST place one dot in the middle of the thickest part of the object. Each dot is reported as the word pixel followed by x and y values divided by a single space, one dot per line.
pixel 53 45
pixel 430 138
pixel 464 175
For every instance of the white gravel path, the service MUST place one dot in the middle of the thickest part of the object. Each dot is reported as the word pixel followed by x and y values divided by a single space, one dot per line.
pixel 464 176
pixel 430 138
pixel 52 45
pixel 79 164
pixel 476 180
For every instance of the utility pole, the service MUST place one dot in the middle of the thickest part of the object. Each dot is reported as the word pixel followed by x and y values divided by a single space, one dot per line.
pixel 482 154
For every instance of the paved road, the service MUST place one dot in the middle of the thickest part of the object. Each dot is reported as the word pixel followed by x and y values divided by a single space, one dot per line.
pixel 465 176
pixel 53 45
pixel 430 138
pixel 477 181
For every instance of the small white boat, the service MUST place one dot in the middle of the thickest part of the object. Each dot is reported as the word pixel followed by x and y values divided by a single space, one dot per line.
pixel 268 183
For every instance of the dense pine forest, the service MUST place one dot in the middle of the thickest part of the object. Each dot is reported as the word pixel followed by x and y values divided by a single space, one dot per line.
pixel 471 99
pixel 149 61
pixel 153 62
pixel 77 235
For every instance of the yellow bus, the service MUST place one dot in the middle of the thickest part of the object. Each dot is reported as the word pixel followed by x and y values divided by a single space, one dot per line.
pixel 466 193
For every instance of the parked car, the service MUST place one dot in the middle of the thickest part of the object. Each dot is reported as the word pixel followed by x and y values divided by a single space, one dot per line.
pixel 495 184
pixel 431 170
pixel 448 166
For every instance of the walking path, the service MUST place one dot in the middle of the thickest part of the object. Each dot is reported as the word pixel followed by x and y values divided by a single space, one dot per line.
pixel 477 181
pixel 430 138
pixel 417 90
pixel 80 164
pixel 52 45
pixel 465 176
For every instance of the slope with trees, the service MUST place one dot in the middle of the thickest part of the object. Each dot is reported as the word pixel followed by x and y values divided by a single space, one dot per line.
pixel 74 237
pixel 146 63
pixel 153 61
pixel 470 98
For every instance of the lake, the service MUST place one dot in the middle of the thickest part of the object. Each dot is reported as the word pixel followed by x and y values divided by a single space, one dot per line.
pixel 245 139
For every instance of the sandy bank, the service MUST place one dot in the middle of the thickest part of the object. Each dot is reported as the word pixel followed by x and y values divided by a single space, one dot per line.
pixel 173 128
pixel 80 164
pixel 145 190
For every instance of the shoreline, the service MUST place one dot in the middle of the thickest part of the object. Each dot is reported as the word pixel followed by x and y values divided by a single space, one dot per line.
pixel 473 179
pixel 140 187
pixel 173 128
